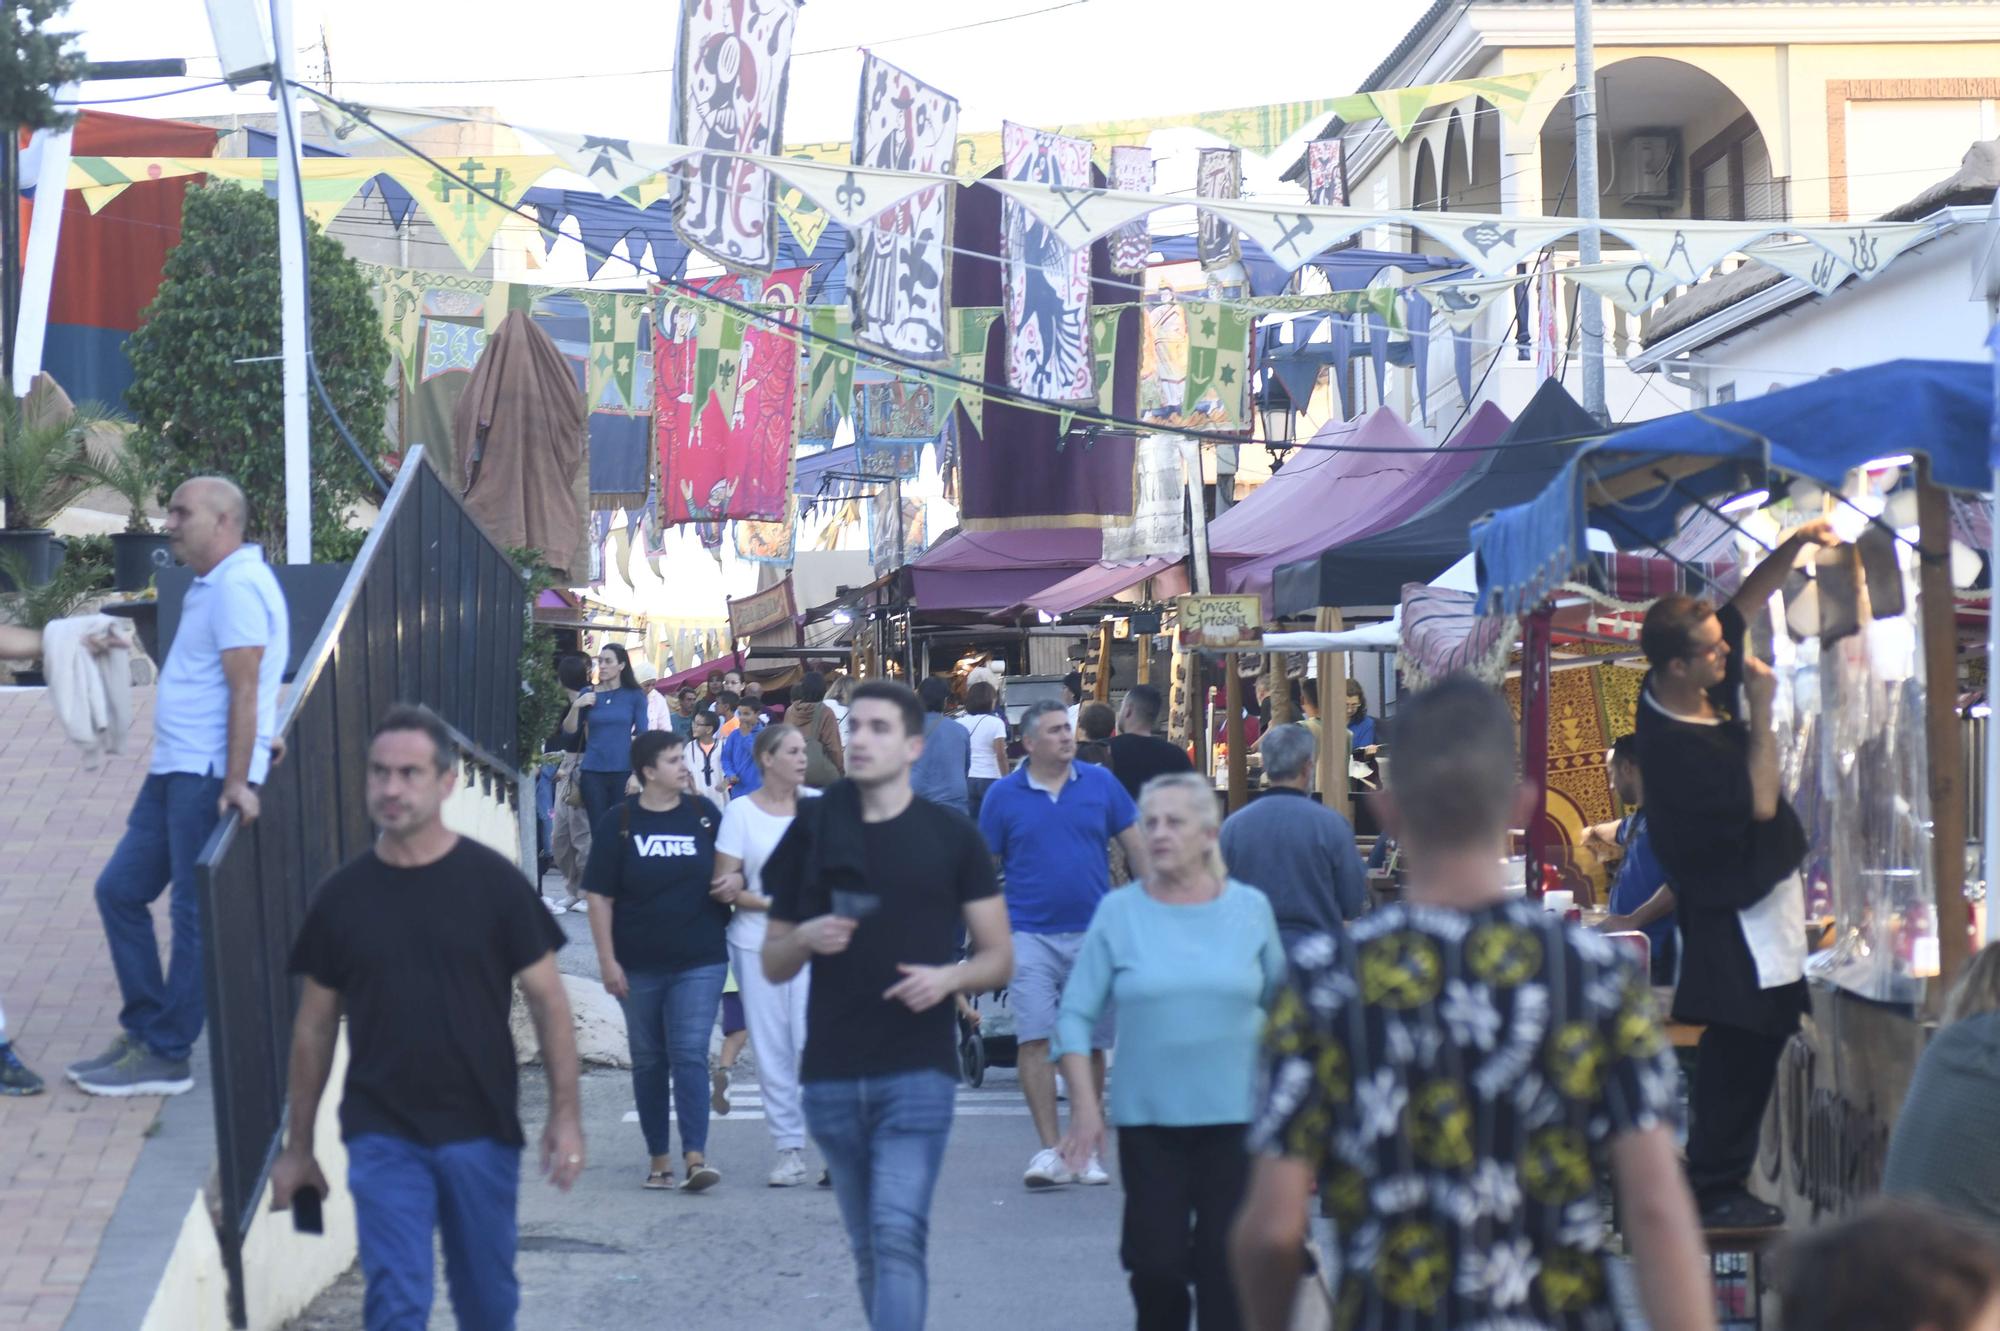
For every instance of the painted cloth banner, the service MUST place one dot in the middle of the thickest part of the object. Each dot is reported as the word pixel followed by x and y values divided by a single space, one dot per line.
pixel 733 62
pixel 1159 522
pixel 900 278
pixel 1218 362
pixel 764 542
pixel 1047 282
pixel 713 465
pixel 1132 172
pixel 1326 173
pixel 900 409
pixel 829 371
pixel 1219 175
pixel 771 608
pixel 882 547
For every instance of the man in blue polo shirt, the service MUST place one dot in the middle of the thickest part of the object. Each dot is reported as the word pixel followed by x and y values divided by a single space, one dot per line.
pixel 1050 824
pixel 215 716
pixel 1640 897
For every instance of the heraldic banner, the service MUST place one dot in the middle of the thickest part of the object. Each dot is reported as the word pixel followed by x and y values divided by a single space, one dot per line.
pixel 901 279
pixel 1048 283
pixel 734 58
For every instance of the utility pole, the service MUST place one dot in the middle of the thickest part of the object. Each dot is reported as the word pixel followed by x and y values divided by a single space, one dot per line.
pixel 292 292
pixel 1590 308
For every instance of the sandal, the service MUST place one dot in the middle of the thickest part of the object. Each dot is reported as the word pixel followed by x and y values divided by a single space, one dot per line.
pixel 659 1180
pixel 701 1176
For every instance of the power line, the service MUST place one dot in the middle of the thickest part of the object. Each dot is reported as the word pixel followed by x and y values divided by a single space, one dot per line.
pixel 144 96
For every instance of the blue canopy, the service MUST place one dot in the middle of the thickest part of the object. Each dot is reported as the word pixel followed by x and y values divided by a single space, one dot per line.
pixel 1634 484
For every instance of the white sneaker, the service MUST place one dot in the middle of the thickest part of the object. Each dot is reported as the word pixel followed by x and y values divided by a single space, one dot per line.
pixel 1093 1174
pixel 790 1171
pixel 1047 1170
pixel 581 904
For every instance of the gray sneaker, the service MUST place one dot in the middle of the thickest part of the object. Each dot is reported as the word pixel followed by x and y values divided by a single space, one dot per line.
pixel 114 1051
pixel 139 1072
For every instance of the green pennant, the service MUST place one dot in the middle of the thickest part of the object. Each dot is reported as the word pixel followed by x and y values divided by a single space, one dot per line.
pixel 829 368
pixel 968 332
pixel 718 342
pixel 1104 355
pixel 1218 358
pixel 628 312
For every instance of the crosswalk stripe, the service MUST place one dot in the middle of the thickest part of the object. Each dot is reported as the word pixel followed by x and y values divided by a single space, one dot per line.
pixel 970 1104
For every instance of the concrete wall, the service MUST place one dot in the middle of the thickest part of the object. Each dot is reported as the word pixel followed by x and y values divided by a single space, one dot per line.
pixel 284 1271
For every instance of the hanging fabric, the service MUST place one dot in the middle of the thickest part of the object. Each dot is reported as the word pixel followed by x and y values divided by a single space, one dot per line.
pixel 901 283
pixel 1218 175
pixel 1047 282
pixel 1131 173
pixel 733 63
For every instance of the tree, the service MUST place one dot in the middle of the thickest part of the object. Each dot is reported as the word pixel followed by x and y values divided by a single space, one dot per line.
pixel 34 63
pixel 207 381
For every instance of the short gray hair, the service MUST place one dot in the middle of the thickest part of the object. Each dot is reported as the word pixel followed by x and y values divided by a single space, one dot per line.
pixel 1032 714
pixel 1288 751
pixel 1201 793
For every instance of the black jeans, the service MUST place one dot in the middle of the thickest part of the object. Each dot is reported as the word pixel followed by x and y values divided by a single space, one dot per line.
pixel 1733 1075
pixel 1182 1188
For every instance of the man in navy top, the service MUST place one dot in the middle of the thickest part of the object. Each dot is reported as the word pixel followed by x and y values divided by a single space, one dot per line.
pixel 1640 897
pixel 1050 824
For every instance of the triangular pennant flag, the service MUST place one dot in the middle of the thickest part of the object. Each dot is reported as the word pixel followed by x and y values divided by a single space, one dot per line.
pixel 718 341
pixel 804 218
pixel 853 196
pixel 829 369
pixel 1077 215
pixel 468 218
pixel 1685 253
pixel 628 312
pixel 968 332
pixel 1632 287
pixel 1400 107
pixel 1064 420
pixel 1458 305
pixel 612 166
pixel 1291 235
pixel 1493 245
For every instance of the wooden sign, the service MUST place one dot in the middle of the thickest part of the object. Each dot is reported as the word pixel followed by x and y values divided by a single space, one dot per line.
pixel 765 610
pixel 1220 623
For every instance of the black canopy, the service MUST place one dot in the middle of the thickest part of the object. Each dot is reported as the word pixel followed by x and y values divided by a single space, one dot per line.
pixel 1372 570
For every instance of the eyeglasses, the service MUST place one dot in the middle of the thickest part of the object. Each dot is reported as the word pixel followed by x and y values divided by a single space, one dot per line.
pixel 1704 653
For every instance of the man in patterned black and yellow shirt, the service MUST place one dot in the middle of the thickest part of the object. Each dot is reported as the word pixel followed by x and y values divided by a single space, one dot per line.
pixel 1455 1077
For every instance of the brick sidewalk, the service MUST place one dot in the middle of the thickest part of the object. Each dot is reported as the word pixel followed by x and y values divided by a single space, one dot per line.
pixel 66 1155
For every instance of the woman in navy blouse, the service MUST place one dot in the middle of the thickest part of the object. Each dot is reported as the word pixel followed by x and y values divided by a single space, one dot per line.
pixel 611 716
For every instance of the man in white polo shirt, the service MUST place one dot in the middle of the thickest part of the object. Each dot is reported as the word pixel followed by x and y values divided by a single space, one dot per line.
pixel 214 717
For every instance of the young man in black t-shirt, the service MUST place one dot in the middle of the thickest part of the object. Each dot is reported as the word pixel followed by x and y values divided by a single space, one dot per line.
pixel 872 885
pixel 1137 754
pixel 420 941
pixel 1730 846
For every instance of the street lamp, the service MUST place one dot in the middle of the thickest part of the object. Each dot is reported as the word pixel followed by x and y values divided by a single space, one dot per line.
pixel 1275 413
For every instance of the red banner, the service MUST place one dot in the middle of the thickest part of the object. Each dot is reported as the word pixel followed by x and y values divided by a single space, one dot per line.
pixel 736 464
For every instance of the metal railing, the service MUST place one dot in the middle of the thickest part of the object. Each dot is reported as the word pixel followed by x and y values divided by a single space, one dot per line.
pixel 432 612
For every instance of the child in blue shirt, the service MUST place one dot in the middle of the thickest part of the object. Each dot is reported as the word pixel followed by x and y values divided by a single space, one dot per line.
pixel 739 763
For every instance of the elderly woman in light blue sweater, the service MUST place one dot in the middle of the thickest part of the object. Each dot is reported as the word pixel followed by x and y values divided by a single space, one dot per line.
pixel 1192 961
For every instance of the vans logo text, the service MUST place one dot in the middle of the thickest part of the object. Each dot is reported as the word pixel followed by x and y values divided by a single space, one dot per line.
pixel 661 846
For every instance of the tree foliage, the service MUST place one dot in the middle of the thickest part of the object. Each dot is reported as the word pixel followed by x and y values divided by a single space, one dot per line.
pixel 542 699
pixel 34 63
pixel 207 381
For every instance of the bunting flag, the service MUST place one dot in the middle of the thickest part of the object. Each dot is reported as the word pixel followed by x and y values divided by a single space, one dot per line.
pixel 1292 236
pixel 462 204
pixel 1047 282
pixel 1104 355
pixel 1075 215
pixel 970 328
pixel 1218 175
pixel 850 194
pixel 1632 287
pixel 1159 521
pixel 1131 173
pixel 615 166
pixel 717 465
pixel 1401 108
pixel 1326 173
pixel 1860 249
pixel 731 69
pixel 1458 305
pixel 803 217
pixel 1218 361
pixel 829 369
pixel 900 277
pixel 1493 245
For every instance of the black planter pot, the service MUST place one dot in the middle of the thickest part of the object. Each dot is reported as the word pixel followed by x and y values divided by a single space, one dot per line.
pixel 34 546
pixel 136 557
pixel 145 617
pixel 30 679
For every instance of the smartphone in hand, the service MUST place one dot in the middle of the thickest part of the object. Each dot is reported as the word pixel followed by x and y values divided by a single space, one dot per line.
pixel 306 1217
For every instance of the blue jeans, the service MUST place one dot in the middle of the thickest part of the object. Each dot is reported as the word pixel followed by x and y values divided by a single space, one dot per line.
pixel 668 1015
pixel 169 824
pixel 601 793
pixel 884 1139
pixel 403 1192
pixel 545 806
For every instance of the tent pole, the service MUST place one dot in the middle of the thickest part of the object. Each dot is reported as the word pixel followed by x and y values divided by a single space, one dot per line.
pixel 1535 737
pixel 1947 758
pixel 1232 700
pixel 1333 783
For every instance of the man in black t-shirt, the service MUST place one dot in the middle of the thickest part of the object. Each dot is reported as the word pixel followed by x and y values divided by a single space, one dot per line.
pixel 1730 846
pixel 420 941
pixel 1137 755
pixel 872 885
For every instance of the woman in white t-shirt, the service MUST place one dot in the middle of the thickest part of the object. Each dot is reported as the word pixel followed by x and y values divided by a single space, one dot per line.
pixel 988 731
pixel 775 1013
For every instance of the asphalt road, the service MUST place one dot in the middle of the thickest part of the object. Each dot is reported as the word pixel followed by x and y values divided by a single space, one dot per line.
pixel 750 1257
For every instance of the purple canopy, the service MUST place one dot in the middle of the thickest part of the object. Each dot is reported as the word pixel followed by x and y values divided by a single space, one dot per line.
pixel 991 570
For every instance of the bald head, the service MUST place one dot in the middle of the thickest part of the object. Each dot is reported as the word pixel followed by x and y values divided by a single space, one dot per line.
pixel 205 521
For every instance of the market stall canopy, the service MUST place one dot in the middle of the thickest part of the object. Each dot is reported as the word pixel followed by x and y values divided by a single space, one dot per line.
pixel 986 571
pixel 1373 568
pixel 1323 497
pixel 1635 483
pixel 1098 582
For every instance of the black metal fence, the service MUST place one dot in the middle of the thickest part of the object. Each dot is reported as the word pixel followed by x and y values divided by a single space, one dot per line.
pixel 432 612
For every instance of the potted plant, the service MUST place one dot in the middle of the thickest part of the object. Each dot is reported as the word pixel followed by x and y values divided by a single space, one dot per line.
pixel 138 552
pixel 43 469
pixel 37 605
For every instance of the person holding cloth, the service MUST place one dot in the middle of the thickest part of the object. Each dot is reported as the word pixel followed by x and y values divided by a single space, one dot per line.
pixel 660 947
pixel 610 717
pixel 1192 960
pixel 1731 847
